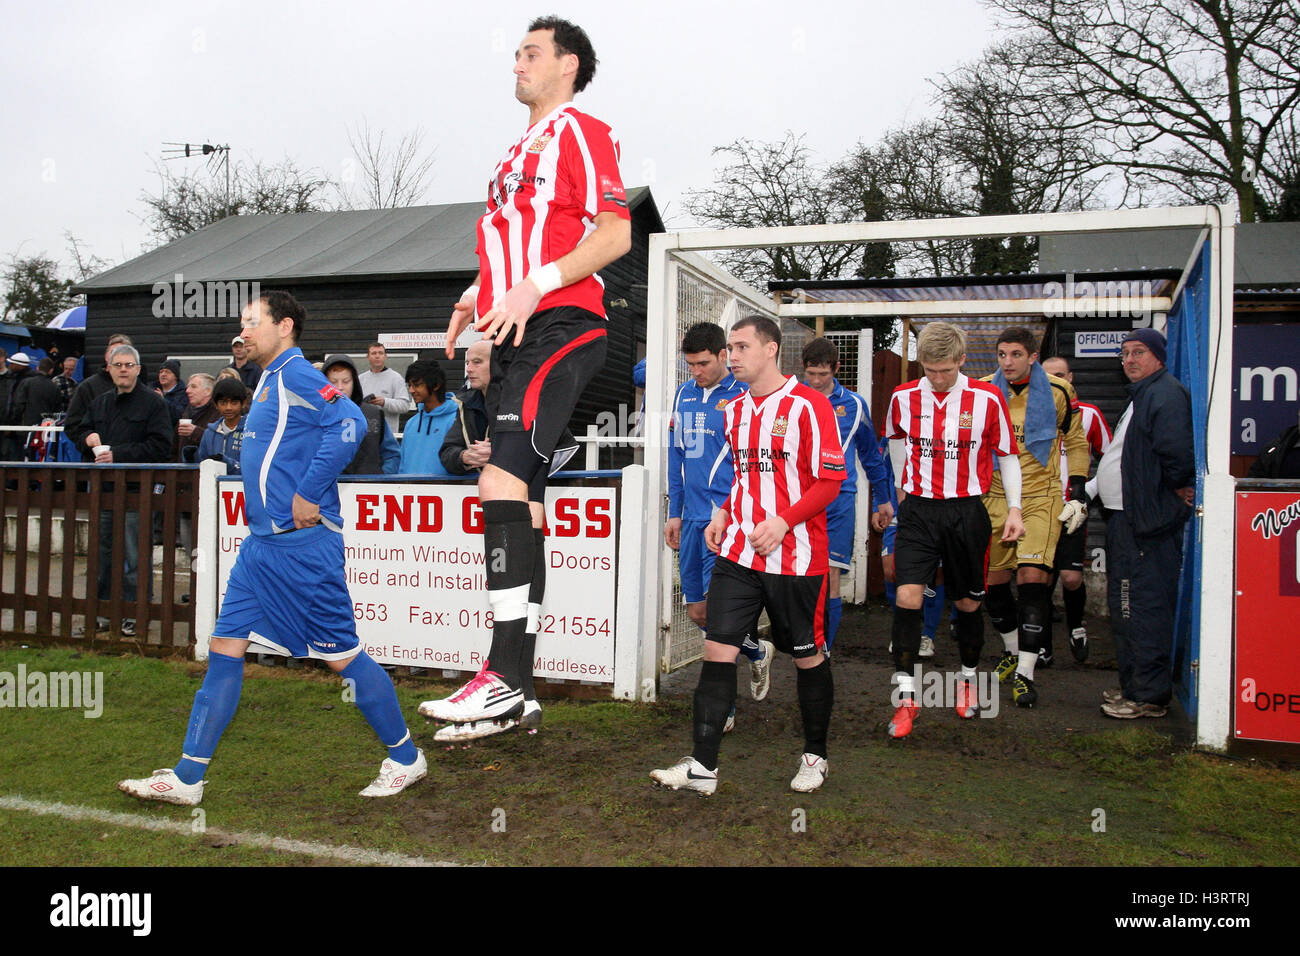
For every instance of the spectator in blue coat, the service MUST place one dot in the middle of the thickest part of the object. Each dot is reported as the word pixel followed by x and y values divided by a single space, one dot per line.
pixel 223 438
pixel 423 434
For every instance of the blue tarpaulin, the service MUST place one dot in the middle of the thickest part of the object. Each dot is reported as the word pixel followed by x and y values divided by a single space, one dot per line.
pixel 1188 355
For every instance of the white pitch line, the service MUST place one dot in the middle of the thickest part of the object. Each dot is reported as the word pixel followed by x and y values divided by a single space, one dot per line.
pixel 348 854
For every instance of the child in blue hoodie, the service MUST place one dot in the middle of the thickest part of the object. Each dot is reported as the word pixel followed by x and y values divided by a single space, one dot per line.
pixel 423 433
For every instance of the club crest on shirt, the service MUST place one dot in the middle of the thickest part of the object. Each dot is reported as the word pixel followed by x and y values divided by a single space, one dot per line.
pixel 779 426
pixel 722 403
pixel 540 143
pixel 842 410
pixel 265 392
pixel 967 420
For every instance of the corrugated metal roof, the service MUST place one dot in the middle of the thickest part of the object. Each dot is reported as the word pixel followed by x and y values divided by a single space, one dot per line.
pixel 1266 253
pixel 415 241
pixel 955 289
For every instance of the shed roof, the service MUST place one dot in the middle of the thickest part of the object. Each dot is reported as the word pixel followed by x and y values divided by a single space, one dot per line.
pixel 416 241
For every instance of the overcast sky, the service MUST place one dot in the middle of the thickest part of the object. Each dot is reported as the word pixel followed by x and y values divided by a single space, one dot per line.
pixel 93 90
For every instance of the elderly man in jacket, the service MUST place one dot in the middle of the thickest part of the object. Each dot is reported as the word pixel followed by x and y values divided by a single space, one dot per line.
pixel 1146 484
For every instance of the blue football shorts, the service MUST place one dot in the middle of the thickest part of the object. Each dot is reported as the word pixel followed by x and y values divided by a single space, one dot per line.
pixel 840 519
pixel 288 592
pixel 694 562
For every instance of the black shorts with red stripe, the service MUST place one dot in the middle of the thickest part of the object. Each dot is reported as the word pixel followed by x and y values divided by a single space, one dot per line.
pixel 536 385
pixel 796 607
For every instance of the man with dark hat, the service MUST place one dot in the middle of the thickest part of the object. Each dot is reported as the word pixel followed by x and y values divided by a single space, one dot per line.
pixel 1146 482
pixel 170 388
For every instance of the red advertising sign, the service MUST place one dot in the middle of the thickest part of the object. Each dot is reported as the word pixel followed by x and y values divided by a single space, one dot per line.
pixel 1266 690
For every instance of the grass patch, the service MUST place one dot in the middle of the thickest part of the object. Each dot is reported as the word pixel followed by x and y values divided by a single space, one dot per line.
pixel 578 793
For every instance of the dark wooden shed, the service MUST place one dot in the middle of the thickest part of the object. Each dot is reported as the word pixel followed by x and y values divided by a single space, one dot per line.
pixel 361 275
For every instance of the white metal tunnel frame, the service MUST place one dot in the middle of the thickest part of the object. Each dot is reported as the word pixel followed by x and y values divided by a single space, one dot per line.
pixel 669 250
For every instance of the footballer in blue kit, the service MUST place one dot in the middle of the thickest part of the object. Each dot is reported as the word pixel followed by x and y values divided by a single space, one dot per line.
pixel 821 361
pixel 287 590
pixel 700 476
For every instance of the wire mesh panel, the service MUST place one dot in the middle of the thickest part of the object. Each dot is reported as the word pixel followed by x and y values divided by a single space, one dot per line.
pixel 701 298
pixel 846 344
pixel 794 336
pixel 855 352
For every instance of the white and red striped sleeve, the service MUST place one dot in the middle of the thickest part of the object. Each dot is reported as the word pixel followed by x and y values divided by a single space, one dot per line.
pixel 591 157
pixel 1095 428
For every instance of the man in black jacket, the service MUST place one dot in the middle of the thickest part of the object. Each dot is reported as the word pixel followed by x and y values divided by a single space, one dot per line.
pixel 1146 483
pixel 1281 458
pixel 19 369
pixel 76 425
pixel 466 448
pixel 127 425
pixel 34 397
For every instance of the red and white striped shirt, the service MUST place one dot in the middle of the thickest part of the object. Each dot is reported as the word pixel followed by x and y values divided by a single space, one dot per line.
pixel 781 444
pixel 951 437
pixel 543 200
pixel 1095 430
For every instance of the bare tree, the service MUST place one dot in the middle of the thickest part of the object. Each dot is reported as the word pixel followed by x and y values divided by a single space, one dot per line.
pixel 996 148
pixel 85 263
pixel 772 184
pixel 184 204
pixel 388 177
pixel 1016 150
pixel 1193 99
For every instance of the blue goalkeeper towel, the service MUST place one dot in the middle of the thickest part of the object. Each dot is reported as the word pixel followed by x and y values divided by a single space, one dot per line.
pixel 1040 412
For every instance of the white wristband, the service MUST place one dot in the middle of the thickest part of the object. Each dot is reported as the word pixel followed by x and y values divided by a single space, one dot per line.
pixel 471 293
pixel 547 278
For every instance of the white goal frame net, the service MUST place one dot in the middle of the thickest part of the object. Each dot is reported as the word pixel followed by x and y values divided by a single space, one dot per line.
pixel 685 287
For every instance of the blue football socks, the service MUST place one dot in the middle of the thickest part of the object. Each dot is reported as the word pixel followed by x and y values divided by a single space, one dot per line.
pixel 214 705
pixel 377 701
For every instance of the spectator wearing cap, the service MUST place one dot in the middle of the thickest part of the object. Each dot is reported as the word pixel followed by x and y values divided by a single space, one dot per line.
pixel 19 367
pixel 76 425
pixel 170 388
pixel 1146 485
pixel 250 373
pixel 223 439
pixel 36 397
pixel 66 381
pixel 198 414
pixel 377 451
pixel 385 388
